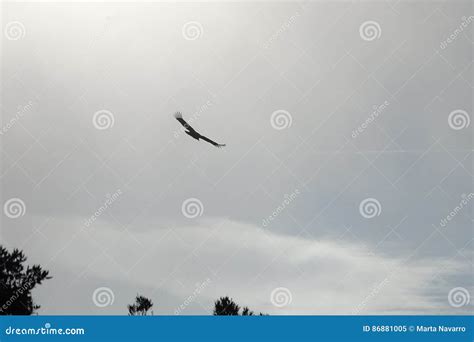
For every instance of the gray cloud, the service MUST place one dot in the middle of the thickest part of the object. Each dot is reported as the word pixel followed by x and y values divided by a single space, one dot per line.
pixel 250 60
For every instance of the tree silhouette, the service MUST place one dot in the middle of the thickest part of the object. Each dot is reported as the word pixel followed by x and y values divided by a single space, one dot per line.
pixel 16 283
pixel 246 312
pixel 225 306
pixel 140 307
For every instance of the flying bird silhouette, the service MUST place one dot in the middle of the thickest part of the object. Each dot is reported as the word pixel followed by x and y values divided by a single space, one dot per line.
pixel 191 132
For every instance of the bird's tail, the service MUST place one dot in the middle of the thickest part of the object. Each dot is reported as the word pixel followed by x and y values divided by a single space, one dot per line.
pixel 178 115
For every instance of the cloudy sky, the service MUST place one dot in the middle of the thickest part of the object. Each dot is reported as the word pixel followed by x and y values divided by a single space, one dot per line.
pixel 345 187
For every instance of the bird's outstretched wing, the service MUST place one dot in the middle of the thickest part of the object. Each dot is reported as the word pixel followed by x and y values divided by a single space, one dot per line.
pixel 196 135
pixel 210 141
pixel 179 117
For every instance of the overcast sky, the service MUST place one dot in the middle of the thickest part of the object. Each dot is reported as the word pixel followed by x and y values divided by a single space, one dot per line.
pixel 349 143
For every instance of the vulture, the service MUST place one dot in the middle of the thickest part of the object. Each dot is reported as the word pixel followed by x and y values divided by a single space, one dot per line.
pixel 191 132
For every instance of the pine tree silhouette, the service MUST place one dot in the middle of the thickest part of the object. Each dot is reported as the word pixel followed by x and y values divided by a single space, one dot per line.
pixel 16 283
pixel 225 306
pixel 140 307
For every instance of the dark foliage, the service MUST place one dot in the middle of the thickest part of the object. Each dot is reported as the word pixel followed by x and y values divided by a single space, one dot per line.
pixel 140 307
pixel 16 283
pixel 225 306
